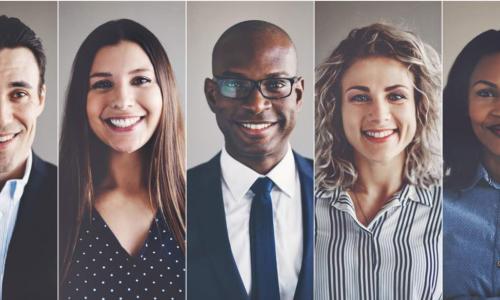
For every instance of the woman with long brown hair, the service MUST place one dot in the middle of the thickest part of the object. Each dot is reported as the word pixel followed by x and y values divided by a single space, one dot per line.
pixel 122 170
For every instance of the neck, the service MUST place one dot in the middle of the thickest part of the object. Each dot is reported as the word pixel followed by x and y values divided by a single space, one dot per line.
pixel 16 173
pixel 379 180
pixel 125 172
pixel 492 164
pixel 260 164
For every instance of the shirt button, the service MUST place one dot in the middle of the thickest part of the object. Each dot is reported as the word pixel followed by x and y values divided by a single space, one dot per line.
pixel 498 263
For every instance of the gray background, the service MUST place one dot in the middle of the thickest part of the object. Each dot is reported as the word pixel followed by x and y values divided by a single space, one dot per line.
pixel 206 21
pixel 42 18
pixel 334 20
pixel 77 19
pixel 462 21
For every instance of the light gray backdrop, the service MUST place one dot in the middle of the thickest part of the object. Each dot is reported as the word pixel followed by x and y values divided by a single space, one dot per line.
pixel 42 18
pixel 462 21
pixel 77 19
pixel 206 21
pixel 334 20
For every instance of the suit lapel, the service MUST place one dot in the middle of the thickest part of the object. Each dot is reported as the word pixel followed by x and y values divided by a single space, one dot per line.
pixel 216 240
pixel 304 290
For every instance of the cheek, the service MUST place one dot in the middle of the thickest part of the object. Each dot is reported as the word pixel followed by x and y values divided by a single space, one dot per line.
pixel 351 121
pixel 477 113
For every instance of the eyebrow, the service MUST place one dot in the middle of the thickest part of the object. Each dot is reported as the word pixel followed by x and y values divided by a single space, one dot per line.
pixel 22 84
pixel 108 74
pixel 486 82
pixel 367 89
pixel 240 75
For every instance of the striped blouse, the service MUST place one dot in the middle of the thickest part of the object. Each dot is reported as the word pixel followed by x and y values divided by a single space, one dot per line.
pixel 397 256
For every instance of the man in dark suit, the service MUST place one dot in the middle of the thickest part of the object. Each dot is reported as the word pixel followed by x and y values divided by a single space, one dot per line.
pixel 250 208
pixel 28 185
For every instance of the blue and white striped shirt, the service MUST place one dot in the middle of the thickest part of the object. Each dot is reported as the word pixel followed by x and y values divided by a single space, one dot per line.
pixel 397 256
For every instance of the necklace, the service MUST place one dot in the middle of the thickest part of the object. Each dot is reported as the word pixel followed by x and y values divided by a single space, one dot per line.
pixel 358 204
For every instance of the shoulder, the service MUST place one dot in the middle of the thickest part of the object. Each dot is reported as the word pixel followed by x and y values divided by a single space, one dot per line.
pixel 42 171
pixel 431 195
pixel 304 163
pixel 202 170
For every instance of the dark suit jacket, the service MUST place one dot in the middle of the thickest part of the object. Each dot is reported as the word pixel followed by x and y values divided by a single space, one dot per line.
pixel 211 270
pixel 31 266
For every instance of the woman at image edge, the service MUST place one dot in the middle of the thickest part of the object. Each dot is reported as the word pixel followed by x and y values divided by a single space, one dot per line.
pixel 378 201
pixel 471 134
pixel 122 170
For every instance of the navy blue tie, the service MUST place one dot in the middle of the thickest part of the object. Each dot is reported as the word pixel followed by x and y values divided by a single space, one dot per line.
pixel 263 253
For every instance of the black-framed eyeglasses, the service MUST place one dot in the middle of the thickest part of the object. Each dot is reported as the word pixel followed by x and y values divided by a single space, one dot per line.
pixel 270 88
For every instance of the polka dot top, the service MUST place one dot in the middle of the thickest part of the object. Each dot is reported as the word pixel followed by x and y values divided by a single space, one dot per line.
pixel 102 269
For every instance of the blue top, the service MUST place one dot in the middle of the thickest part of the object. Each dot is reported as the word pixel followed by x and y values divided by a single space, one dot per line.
pixel 472 239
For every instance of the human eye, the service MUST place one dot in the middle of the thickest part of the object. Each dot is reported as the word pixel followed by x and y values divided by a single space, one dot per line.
pixel 102 85
pixel 486 93
pixel 395 97
pixel 140 80
pixel 19 95
pixel 359 98
pixel 233 83
pixel 275 84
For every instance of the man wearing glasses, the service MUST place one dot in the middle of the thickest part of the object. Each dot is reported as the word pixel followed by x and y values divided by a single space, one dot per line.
pixel 250 212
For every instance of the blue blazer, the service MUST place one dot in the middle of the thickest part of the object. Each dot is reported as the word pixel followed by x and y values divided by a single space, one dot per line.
pixel 31 265
pixel 212 273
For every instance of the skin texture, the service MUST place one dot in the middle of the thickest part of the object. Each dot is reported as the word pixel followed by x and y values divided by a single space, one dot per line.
pixel 255 55
pixel 123 85
pixel 377 97
pixel 21 102
pixel 484 110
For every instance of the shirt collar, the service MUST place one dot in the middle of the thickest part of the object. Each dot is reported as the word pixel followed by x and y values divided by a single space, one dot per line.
pixel 14 188
pixel 239 178
pixel 409 192
pixel 482 173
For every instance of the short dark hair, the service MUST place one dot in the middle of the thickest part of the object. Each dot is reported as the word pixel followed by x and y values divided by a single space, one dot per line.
pixel 14 33
pixel 461 148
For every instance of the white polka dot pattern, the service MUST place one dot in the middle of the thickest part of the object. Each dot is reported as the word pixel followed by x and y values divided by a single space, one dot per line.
pixel 102 269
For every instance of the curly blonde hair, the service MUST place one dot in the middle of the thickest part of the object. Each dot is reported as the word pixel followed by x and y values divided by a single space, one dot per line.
pixel 334 154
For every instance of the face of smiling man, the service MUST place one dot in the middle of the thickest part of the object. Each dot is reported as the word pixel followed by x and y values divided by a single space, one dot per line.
pixel 256 129
pixel 21 102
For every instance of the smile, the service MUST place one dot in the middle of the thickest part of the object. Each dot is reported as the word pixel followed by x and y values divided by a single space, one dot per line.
pixel 380 135
pixel 495 129
pixel 123 123
pixel 256 126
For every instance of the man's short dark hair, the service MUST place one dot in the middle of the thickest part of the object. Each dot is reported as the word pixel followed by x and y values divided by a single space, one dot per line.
pixel 14 33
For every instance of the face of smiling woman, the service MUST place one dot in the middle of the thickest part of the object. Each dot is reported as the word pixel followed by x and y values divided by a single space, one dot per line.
pixel 484 103
pixel 378 108
pixel 124 100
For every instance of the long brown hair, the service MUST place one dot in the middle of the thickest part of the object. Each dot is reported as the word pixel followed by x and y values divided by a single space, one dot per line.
pixel 83 157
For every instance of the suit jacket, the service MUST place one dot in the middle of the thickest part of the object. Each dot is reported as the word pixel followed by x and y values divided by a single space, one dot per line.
pixel 31 266
pixel 211 270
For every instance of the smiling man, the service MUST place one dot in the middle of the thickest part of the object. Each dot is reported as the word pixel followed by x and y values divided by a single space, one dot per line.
pixel 250 211
pixel 28 203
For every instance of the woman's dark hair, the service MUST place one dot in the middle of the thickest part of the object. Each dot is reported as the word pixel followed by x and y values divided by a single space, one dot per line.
pixel 83 157
pixel 462 149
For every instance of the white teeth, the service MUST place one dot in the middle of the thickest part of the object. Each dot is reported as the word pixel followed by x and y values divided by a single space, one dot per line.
pixel 5 138
pixel 379 134
pixel 256 126
pixel 124 122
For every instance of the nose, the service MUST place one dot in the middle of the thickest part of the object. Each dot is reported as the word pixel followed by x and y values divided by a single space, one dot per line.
pixel 379 110
pixel 122 97
pixel 256 102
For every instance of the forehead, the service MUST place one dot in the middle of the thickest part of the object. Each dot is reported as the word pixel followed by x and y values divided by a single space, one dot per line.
pixel 488 68
pixel 122 57
pixel 377 72
pixel 256 58
pixel 18 64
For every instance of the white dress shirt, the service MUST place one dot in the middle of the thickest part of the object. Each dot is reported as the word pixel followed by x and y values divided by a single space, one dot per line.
pixel 10 197
pixel 287 216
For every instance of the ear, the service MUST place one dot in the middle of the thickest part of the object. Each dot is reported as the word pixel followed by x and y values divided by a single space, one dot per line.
pixel 41 99
pixel 299 92
pixel 211 93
